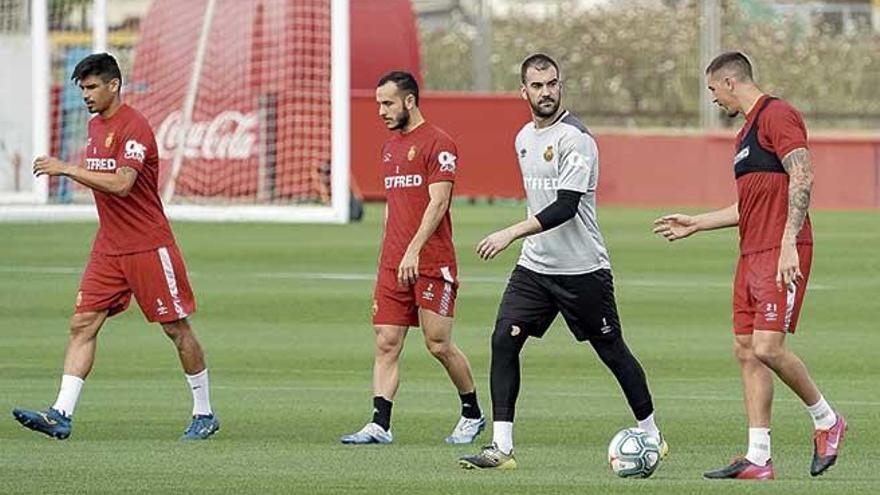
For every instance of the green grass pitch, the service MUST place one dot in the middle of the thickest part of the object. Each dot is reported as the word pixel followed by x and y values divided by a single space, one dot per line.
pixel 284 317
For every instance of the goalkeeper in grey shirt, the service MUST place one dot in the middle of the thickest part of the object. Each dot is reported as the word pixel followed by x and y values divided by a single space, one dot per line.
pixel 564 265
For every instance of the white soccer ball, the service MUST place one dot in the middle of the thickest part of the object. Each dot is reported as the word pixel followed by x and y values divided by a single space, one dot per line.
pixel 633 453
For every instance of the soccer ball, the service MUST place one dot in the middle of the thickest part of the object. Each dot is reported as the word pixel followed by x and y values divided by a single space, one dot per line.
pixel 633 453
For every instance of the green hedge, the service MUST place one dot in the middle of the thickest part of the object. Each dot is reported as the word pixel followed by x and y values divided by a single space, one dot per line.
pixel 637 66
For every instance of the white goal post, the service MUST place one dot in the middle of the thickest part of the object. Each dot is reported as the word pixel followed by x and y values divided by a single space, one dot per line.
pixel 264 154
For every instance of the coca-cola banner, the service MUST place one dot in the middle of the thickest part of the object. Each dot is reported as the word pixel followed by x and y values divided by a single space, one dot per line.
pixel 231 135
pixel 260 126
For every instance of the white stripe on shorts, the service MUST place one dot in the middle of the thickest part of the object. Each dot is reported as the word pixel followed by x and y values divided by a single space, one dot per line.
pixel 171 280
pixel 789 306
pixel 447 274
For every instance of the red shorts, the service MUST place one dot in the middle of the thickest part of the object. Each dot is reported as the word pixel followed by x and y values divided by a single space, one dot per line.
pixel 157 279
pixel 758 303
pixel 435 290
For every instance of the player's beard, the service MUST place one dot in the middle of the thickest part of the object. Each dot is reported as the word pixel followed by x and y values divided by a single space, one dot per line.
pixel 542 112
pixel 402 121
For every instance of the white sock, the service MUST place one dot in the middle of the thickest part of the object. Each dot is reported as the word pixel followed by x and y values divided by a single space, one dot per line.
pixel 823 416
pixel 71 386
pixel 201 396
pixel 759 446
pixel 502 435
pixel 650 426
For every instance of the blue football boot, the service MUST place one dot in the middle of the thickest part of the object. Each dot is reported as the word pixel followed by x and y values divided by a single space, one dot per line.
pixel 49 422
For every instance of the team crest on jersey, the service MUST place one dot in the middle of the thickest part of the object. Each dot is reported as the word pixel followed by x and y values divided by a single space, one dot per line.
pixel 109 140
pixel 375 307
pixel 411 153
pixel 522 153
pixel 548 153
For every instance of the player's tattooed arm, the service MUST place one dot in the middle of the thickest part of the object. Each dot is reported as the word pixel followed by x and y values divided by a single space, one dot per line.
pixel 127 176
pixel 799 167
pixel 118 184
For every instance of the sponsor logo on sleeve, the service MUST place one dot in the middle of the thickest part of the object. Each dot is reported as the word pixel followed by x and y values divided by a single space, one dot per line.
pixel 135 151
pixel 447 161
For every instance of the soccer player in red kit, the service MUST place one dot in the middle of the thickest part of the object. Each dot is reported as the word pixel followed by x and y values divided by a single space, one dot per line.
pixel 417 277
pixel 774 179
pixel 134 251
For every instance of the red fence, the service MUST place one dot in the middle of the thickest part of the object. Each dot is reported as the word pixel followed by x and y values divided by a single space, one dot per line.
pixel 637 168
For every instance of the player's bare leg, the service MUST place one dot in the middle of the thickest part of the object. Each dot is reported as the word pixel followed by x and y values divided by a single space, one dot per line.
pixel 389 345
pixel 81 345
pixel 757 381
pixel 438 339
pixel 78 360
pixel 830 427
pixel 437 330
pixel 386 378
pixel 192 358
pixel 769 348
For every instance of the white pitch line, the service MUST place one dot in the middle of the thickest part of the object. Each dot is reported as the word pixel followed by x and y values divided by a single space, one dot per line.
pixel 627 282
pixel 533 391
pixel 61 270
pixel 369 277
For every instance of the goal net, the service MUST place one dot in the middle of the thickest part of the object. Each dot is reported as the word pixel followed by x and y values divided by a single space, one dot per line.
pixel 248 100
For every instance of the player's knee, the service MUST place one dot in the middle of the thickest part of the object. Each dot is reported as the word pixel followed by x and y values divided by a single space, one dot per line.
pixel 388 343
pixel 768 353
pixel 612 350
pixel 440 349
pixel 743 351
pixel 506 337
pixel 176 330
pixel 85 325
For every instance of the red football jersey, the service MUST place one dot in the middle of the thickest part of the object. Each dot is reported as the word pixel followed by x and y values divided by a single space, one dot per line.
pixel 762 187
pixel 410 163
pixel 136 222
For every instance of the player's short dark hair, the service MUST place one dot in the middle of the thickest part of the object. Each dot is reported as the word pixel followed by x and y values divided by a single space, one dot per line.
pixel 540 61
pixel 735 62
pixel 102 65
pixel 406 83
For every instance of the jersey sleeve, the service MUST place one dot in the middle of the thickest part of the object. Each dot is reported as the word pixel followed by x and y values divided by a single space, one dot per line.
pixel 443 161
pixel 137 142
pixel 784 129
pixel 577 156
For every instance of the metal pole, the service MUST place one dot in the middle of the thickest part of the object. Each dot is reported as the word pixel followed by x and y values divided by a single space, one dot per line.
pixel 482 48
pixel 710 46
pixel 40 89
pixel 99 26
pixel 189 102
pixel 340 87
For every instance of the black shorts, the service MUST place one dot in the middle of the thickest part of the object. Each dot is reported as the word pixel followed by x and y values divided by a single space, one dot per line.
pixel 532 300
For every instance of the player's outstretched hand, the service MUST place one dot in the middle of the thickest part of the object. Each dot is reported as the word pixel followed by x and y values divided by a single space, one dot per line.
pixel 676 226
pixel 493 244
pixel 408 269
pixel 49 165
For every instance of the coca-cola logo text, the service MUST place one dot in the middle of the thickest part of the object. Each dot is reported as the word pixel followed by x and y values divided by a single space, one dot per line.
pixel 231 135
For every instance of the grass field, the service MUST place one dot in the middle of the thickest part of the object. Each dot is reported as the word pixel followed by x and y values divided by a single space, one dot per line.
pixel 284 316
